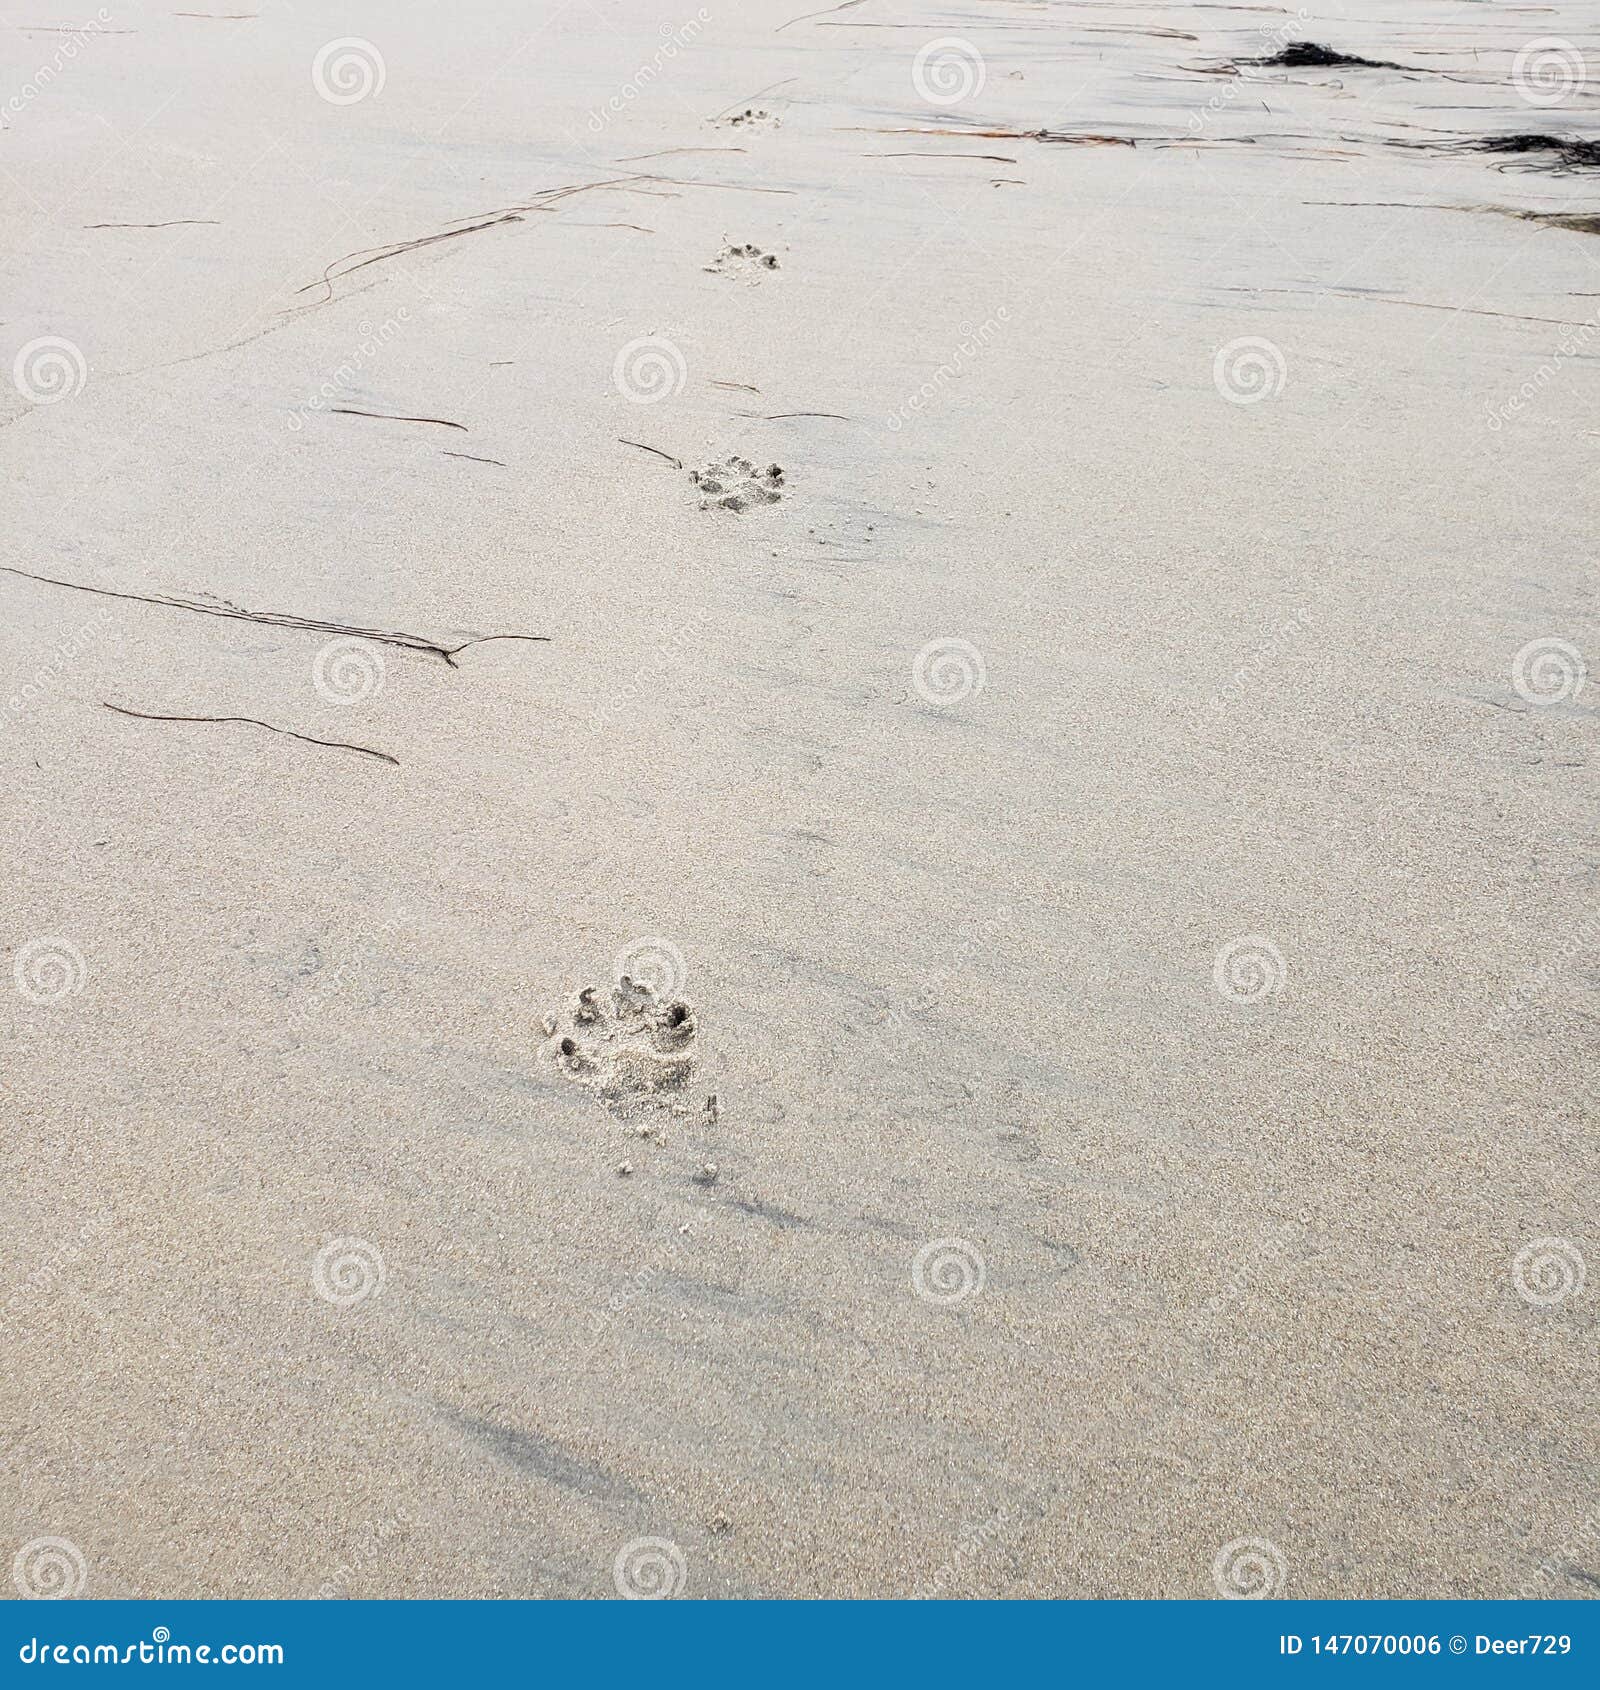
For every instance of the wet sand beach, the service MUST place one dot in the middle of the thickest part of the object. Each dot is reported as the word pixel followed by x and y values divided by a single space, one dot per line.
pixel 1009 587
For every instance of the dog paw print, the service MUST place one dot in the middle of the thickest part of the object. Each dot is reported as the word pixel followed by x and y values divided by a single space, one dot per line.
pixel 736 485
pixel 747 261
pixel 634 1051
pixel 752 117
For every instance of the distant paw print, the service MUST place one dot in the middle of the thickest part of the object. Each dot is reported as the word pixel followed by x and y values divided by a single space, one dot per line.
pixel 748 261
pixel 752 117
pixel 736 484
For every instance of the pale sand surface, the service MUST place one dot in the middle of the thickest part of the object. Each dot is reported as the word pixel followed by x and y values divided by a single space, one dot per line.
pixel 1248 671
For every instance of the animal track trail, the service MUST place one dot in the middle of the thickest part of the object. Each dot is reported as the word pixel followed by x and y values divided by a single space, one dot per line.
pixel 632 1050
pixel 736 484
pixel 748 263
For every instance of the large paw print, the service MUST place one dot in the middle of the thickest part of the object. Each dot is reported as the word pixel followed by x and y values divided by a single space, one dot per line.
pixel 633 1050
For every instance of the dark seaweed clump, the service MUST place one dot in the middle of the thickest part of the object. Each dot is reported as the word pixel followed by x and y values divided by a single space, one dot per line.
pixel 1553 152
pixel 1575 222
pixel 1311 55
